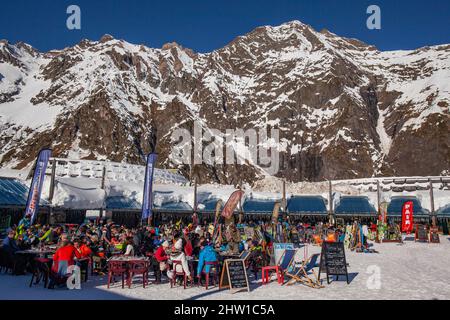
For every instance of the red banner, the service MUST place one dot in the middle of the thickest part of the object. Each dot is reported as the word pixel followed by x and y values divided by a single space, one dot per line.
pixel 231 204
pixel 407 217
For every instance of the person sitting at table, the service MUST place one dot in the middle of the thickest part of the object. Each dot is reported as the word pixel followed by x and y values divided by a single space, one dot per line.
pixel 98 255
pixel 255 258
pixel 21 243
pixel 25 222
pixel 9 248
pixel 197 241
pixel 31 238
pixel 178 255
pixel 207 254
pixel 116 242
pixel 55 235
pixel 161 258
pixel 81 249
pixel 62 259
pixel 187 246
pixel 129 249
pixel 157 240
pixel 45 235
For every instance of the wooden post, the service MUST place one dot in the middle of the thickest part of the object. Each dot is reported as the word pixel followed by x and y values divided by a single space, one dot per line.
pixel 330 194
pixel 103 186
pixel 195 195
pixel 378 197
pixel 52 182
pixel 194 214
pixel 241 213
pixel 433 213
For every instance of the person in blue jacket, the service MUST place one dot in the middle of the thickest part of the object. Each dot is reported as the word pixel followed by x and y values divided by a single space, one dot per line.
pixel 207 254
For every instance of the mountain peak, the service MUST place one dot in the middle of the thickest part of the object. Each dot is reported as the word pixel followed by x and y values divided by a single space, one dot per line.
pixel 170 45
pixel 106 38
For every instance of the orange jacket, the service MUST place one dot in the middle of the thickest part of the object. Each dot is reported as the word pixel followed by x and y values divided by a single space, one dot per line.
pixel 83 252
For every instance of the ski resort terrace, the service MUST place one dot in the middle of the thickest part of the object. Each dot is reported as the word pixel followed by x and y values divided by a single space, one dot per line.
pixel 76 189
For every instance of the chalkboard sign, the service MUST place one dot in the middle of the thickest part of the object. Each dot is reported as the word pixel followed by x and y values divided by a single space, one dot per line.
pixel 234 276
pixel 434 235
pixel 332 260
pixel 421 233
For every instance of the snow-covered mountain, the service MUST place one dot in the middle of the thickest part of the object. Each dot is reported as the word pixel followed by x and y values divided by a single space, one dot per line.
pixel 343 108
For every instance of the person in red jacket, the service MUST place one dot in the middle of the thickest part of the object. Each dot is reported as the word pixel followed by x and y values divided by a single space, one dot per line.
pixel 65 253
pixel 188 249
pixel 82 250
pixel 62 259
pixel 161 258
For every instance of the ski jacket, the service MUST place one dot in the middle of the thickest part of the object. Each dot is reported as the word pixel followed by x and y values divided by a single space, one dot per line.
pixel 160 255
pixel 207 254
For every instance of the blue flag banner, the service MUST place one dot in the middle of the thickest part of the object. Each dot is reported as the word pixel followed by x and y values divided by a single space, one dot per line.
pixel 147 202
pixel 34 195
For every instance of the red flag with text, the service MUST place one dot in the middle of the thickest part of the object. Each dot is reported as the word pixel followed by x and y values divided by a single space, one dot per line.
pixel 231 204
pixel 407 217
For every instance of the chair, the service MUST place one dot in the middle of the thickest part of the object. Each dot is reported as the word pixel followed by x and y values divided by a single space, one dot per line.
pixel 116 268
pixel 41 271
pixel 214 269
pixel 138 268
pixel 176 273
pixel 280 269
pixel 301 273
pixel 61 275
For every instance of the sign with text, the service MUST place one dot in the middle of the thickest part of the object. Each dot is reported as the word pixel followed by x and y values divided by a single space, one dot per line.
pixel 421 233
pixel 434 235
pixel 234 276
pixel 407 217
pixel 333 261
pixel 147 201
pixel 34 195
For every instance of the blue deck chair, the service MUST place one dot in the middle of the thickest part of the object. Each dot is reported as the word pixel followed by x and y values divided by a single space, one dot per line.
pixel 284 263
pixel 302 273
pixel 286 258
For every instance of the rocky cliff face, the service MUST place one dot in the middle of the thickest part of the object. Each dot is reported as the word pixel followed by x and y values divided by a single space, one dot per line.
pixel 343 108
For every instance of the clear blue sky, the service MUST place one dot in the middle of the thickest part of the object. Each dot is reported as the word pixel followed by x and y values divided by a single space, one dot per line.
pixel 205 25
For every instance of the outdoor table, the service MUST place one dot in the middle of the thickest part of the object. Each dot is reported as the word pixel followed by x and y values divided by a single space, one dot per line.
pixel 128 260
pixel 36 252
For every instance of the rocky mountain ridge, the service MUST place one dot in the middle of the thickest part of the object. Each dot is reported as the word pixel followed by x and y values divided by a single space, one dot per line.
pixel 343 108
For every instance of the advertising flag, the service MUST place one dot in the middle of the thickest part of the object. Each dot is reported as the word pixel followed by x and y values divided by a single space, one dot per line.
pixel 407 217
pixel 147 202
pixel 231 204
pixel 34 195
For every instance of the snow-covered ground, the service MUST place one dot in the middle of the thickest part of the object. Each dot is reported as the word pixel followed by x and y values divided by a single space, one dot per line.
pixel 406 271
